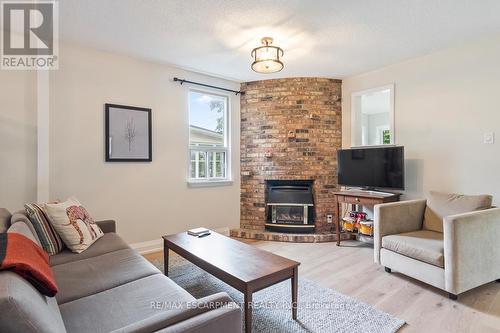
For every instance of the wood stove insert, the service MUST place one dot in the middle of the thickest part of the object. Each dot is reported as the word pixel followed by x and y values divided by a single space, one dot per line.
pixel 290 206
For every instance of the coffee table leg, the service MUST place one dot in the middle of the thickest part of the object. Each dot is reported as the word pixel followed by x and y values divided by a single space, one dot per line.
pixel 295 281
pixel 165 257
pixel 248 311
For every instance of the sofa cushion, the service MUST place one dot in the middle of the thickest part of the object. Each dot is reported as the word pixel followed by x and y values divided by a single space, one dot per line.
pixel 90 276
pixel 4 219
pixel 440 205
pixel 73 223
pixel 120 306
pixel 108 243
pixel 24 309
pixel 423 245
pixel 51 242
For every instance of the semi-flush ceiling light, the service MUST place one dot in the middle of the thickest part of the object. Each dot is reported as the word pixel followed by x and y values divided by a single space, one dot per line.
pixel 266 58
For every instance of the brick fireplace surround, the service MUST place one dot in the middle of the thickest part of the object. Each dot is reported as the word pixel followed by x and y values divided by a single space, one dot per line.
pixel 290 130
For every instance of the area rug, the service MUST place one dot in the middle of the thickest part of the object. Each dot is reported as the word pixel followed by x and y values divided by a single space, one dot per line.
pixel 319 309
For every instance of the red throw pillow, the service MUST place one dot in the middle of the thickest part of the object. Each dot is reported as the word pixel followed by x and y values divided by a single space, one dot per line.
pixel 21 255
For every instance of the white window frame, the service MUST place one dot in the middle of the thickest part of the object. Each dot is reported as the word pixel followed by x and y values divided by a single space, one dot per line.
pixel 208 149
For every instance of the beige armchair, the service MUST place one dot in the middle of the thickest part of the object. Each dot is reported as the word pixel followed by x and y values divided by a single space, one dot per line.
pixel 456 255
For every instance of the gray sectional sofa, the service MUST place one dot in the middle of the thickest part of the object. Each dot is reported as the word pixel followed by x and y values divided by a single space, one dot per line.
pixel 107 288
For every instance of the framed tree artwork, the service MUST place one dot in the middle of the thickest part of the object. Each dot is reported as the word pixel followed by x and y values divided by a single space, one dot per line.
pixel 127 133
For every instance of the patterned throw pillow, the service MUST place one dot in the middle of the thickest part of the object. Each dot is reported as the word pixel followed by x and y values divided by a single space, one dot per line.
pixel 74 224
pixel 49 238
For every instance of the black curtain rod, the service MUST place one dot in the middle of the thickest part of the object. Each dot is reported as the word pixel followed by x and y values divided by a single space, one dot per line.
pixel 181 81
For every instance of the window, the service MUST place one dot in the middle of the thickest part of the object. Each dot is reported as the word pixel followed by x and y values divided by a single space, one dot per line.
pixel 208 137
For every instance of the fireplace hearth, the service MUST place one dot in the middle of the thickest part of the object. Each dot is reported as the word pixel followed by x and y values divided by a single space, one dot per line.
pixel 290 206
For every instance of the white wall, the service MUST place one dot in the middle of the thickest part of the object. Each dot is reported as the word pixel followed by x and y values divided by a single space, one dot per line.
pixel 147 199
pixel 444 103
pixel 18 132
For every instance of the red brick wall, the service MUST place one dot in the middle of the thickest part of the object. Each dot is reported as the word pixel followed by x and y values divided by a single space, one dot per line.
pixel 290 129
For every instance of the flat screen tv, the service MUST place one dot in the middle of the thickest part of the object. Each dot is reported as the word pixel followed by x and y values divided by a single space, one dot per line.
pixel 371 168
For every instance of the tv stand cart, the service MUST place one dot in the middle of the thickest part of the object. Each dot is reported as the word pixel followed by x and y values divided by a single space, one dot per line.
pixel 361 198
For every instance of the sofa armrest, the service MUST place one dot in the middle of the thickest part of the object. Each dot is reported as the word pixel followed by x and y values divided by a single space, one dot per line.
pixel 395 218
pixel 107 225
pixel 217 312
pixel 471 251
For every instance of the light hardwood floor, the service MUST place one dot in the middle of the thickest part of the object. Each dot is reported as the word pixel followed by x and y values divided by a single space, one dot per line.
pixel 349 269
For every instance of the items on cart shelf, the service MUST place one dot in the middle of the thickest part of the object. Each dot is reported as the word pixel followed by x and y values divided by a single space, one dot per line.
pixel 357 222
pixel 360 216
pixel 349 224
pixel 366 228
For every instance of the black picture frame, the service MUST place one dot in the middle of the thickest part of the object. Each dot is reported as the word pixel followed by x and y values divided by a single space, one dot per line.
pixel 108 108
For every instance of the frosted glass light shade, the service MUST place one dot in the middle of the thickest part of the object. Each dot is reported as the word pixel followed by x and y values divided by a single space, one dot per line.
pixel 267 57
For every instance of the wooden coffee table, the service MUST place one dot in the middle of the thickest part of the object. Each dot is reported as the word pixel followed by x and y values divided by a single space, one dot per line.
pixel 242 266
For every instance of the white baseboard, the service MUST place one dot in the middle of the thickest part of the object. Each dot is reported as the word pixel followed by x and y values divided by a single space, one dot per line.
pixel 151 246
pixel 156 245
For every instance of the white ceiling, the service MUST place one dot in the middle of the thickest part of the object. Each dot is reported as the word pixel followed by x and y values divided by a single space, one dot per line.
pixel 327 38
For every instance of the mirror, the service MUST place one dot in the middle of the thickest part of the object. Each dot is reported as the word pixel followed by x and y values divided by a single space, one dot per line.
pixel 373 117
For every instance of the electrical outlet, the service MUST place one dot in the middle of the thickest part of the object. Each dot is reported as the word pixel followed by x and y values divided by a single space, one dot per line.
pixel 329 219
pixel 489 138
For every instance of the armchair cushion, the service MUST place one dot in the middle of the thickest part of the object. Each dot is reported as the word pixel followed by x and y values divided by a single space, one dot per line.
pixel 423 245
pixel 440 205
